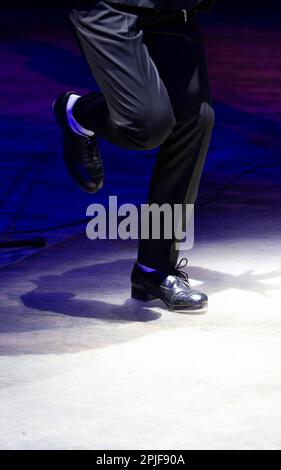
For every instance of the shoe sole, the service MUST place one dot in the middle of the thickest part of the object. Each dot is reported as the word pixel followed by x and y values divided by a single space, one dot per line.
pixel 143 296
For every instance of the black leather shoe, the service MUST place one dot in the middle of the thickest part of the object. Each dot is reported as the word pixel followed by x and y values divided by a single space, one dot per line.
pixel 172 288
pixel 81 154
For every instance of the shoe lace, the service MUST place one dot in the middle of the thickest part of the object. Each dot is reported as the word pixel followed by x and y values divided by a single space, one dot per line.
pixel 90 155
pixel 178 271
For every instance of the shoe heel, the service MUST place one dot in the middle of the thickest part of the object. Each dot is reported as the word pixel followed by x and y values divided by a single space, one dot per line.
pixel 140 294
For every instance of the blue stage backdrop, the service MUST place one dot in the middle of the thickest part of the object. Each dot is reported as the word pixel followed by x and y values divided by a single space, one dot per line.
pixel 40 59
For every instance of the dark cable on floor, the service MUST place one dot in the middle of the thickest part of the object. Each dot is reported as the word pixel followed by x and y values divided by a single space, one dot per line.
pixel 228 185
pixel 48 229
pixel 211 200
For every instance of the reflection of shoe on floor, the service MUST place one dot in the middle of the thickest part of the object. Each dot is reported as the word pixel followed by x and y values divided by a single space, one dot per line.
pixel 172 288
pixel 81 153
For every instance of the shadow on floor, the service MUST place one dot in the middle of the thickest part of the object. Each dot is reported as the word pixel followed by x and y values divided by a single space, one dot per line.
pixel 90 308
pixel 77 292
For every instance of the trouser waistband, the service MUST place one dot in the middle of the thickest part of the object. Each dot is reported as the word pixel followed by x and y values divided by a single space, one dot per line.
pixel 181 15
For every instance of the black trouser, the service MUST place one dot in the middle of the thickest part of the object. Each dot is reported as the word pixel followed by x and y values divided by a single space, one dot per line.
pixel 151 69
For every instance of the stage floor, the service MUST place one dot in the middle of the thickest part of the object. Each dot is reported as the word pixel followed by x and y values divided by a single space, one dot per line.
pixel 82 365
pixel 85 367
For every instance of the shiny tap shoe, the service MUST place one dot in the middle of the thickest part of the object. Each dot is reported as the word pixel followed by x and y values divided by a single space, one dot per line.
pixel 81 153
pixel 172 288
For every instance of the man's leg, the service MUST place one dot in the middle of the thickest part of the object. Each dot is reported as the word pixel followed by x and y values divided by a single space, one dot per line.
pixel 139 113
pixel 181 158
pixel 134 109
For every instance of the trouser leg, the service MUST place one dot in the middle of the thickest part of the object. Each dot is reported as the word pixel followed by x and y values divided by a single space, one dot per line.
pixel 181 158
pixel 134 108
pixel 155 91
pixel 176 180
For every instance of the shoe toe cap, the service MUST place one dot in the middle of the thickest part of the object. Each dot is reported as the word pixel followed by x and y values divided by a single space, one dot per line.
pixel 198 298
pixel 193 300
pixel 92 186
